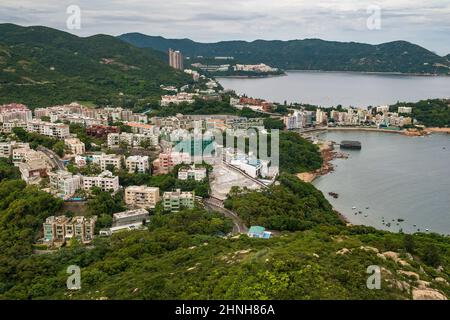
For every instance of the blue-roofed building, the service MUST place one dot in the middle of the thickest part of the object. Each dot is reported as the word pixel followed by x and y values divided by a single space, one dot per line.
pixel 258 232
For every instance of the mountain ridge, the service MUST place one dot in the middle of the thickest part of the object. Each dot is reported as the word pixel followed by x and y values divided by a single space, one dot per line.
pixel 44 66
pixel 309 54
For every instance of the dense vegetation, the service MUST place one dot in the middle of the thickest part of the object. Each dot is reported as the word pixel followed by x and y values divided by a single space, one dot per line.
pixel 7 170
pixel 309 54
pixel 43 66
pixel 297 154
pixel 292 205
pixel 184 256
pixel 431 113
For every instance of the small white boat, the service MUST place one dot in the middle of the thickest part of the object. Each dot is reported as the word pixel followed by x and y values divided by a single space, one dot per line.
pixel 353 208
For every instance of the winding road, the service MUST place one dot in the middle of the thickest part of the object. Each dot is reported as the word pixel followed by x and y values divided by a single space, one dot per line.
pixel 214 204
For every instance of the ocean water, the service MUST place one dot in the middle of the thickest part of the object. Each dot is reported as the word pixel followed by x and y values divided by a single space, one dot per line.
pixel 396 177
pixel 347 88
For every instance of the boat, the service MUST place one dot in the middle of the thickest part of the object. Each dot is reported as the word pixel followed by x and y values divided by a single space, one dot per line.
pixel 353 208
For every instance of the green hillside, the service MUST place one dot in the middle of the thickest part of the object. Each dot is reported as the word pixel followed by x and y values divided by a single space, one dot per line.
pixel 43 66
pixel 185 256
pixel 309 54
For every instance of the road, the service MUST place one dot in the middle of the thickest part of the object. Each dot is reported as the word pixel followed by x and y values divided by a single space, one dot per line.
pixel 54 158
pixel 214 204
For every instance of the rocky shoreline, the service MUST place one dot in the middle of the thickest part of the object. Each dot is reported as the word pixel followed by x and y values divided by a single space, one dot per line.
pixel 328 155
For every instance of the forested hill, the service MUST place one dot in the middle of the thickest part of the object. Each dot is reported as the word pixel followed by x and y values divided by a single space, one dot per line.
pixel 41 66
pixel 309 54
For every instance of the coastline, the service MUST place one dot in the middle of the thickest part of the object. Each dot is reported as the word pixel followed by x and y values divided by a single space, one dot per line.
pixel 375 73
pixel 284 74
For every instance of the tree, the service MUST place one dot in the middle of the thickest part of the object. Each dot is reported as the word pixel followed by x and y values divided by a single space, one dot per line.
pixel 431 255
pixel 59 148
pixel 408 243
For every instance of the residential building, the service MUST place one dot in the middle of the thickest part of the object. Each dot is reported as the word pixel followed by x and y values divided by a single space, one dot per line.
pixel 404 109
pixel 182 97
pixel 176 59
pixel 64 183
pixel 131 140
pixel 8 126
pixel 383 109
pixel 105 181
pixel 198 174
pixel 54 130
pixel 32 171
pixel 101 131
pixel 15 112
pixel 75 146
pixel 137 164
pixel 109 161
pixel 174 201
pixel 130 217
pixel 258 232
pixel 141 196
pixel 58 230
pixel 6 148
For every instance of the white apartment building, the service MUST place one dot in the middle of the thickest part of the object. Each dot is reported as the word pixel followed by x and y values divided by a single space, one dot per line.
pixel 105 181
pixel 64 184
pixel 137 164
pixel 75 146
pixel 54 130
pixel 141 196
pixel 198 174
pixel 130 217
pixel 383 109
pixel 404 109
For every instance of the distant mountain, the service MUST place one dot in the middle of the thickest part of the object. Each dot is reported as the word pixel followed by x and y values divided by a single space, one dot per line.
pixel 309 54
pixel 41 66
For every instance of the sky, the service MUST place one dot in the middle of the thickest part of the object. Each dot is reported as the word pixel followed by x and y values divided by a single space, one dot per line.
pixel 424 22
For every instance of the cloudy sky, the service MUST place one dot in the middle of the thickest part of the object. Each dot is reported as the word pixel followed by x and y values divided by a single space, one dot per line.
pixel 425 22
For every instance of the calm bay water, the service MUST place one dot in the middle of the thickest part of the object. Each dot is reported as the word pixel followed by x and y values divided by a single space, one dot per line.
pixel 396 177
pixel 346 88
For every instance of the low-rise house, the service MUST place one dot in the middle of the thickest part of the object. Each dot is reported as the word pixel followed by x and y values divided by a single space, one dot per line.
pixel 105 181
pixel 259 232
pixel 198 174
pixel 141 196
pixel 125 227
pixel 75 146
pixel 174 201
pixel 137 164
pixel 32 171
pixel 130 217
